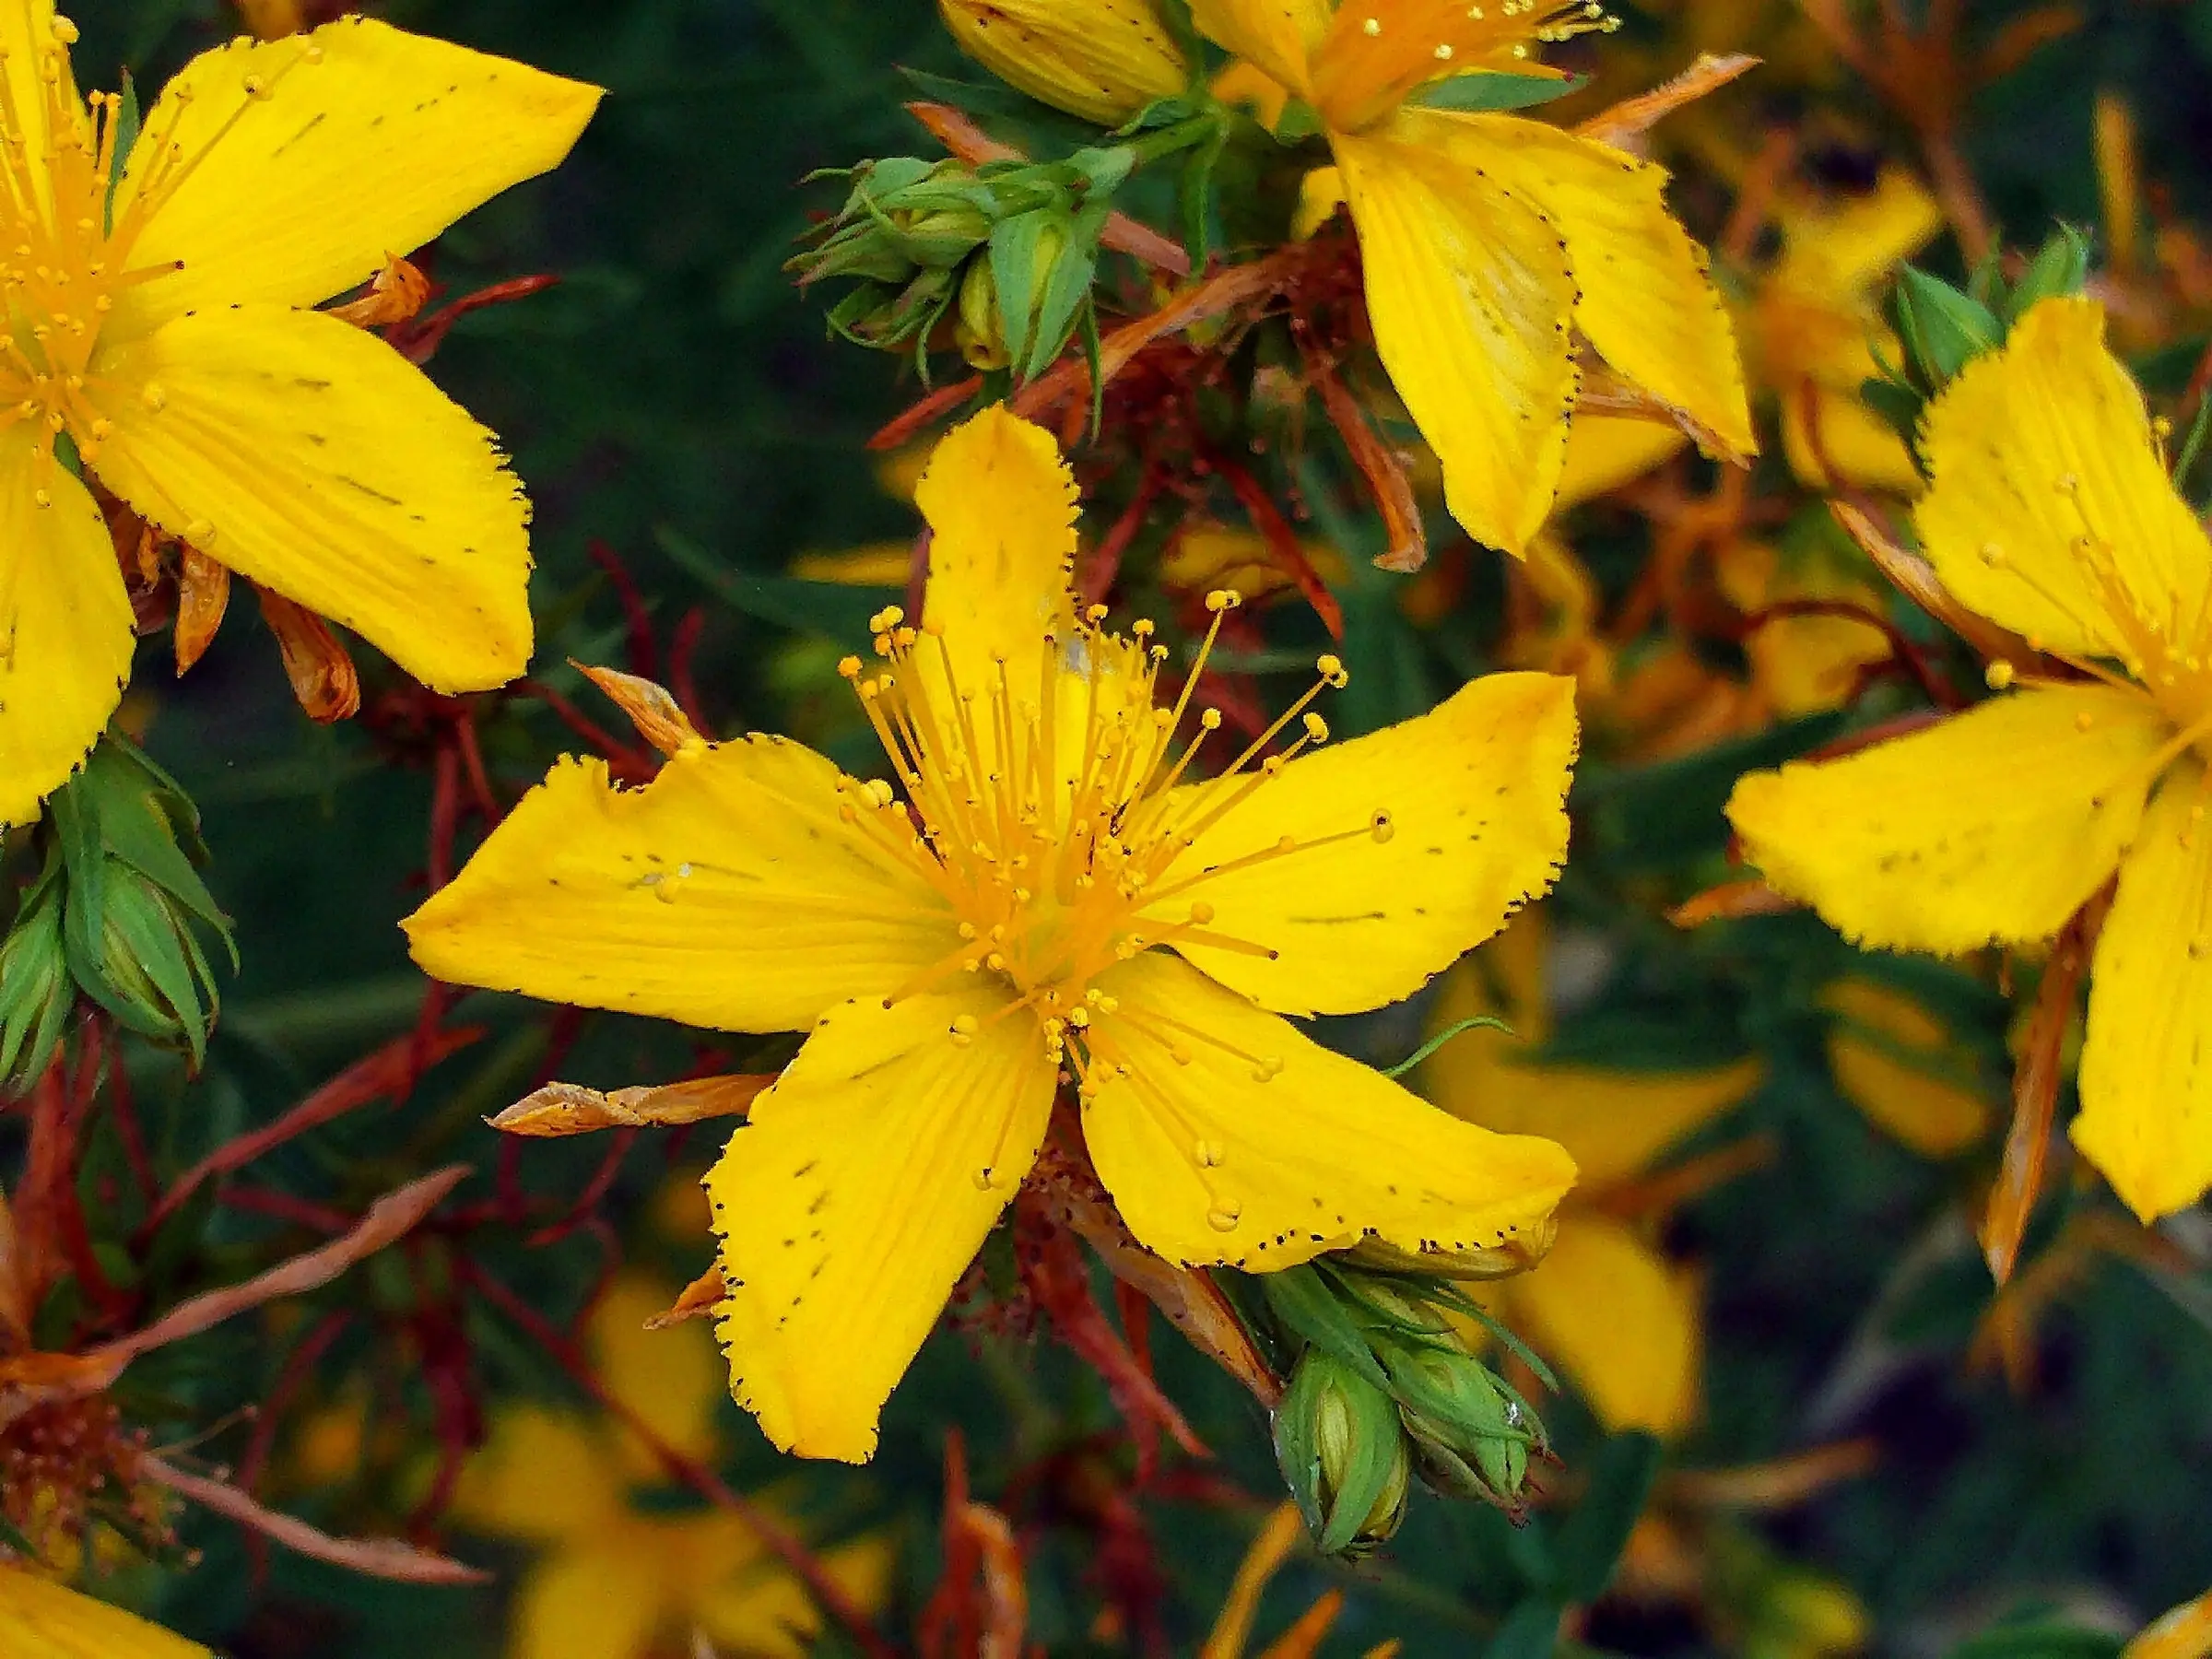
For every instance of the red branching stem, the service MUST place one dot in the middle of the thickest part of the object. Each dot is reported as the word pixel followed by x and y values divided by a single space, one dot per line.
pixel 902 428
pixel 1902 652
pixel 644 653
pixel 683 652
pixel 619 1144
pixel 471 762
pixel 1282 542
pixel 122 1109
pixel 786 1545
pixel 383 1071
pixel 628 765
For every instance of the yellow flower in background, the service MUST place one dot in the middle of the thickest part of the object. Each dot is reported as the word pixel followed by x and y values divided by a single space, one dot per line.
pixel 2049 511
pixel 1619 1319
pixel 1285 1530
pixel 1104 60
pixel 1900 1065
pixel 43 1620
pixel 1815 326
pixel 1811 662
pixel 1488 239
pixel 2183 1632
pixel 155 309
pixel 1050 898
pixel 613 1580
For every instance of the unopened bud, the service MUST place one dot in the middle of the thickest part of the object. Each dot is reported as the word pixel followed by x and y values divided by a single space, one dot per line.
pixel 1341 1450
pixel 36 991
pixel 1104 60
pixel 1474 1438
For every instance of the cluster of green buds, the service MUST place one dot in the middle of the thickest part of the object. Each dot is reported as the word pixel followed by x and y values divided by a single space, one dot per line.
pixel 113 913
pixel 1385 1388
pixel 1942 328
pixel 995 260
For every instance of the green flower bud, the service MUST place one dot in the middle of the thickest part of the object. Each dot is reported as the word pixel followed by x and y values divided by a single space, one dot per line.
pixel 985 337
pixel 1473 1437
pixel 36 991
pixel 131 902
pixel 1343 1454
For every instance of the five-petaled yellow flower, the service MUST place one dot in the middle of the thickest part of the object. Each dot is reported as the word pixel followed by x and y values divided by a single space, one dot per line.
pixel 1488 239
pixel 155 317
pixel 2048 511
pixel 1044 896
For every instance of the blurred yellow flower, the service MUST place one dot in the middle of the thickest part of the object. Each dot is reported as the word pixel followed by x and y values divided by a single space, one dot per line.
pixel 2049 511
pixel 1488 239
pixel 614 1581
pixel 1896 1063
pixel 1605 1304
pixel 1284 1532
pixel 1104 60
pixel 956 954
pixel 161 325
pixel 1814 327
pixel 43 1620
pixel 2183 1632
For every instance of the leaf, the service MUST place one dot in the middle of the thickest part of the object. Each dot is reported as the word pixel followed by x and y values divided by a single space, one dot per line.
pixel 828 609
pixel 1591 1540
pixel 1301 1298
pixel 1492 89
pixel 1943 329
pixel 1530 1632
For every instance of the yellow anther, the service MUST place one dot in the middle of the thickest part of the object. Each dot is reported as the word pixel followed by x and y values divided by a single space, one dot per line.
pixel 2000 675
pixel 1317 727
pixel 1380 827
pixel 1211 719
pixel 64 31
pixel 1372 27
pixel 849 666
pixel 1443 52
pixel 1206 1154
pixel 1224 1216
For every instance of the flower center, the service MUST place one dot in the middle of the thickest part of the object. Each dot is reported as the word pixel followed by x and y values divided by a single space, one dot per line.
pixel 1049 817
pixel 66 230
pixel 1378 52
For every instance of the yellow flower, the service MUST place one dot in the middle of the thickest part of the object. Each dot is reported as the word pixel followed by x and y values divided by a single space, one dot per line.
pixel 1051 895
pixel 155 317
pixel 2183 1632
pixel 1488 239
pixel 1896 1063
pixel 1104 60
pixel 43 1620
pixel 614 1582
pixel 1605 1304
pixel 1815 327
pixel 2050 512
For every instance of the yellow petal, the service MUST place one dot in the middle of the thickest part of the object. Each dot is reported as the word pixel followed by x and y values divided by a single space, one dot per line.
pixel 671 1378
pixel 1859 446
pixel 1618 1319
pixel 727 892
pixel 1470 295
pixel 1836 248
pixel 2183 1632
pixel 2031 449
pixel 1104 60
pixel 27 46
pixel 1277 35
pixel 1645 299
pixel 603 1602
pixel 39 1620
pixel 364 142
pixel 1234 1138
pixel 1994 826
pixel 1001 507
pixel 2146 1119
pixel 312 457
pixel 1613 1124
pixel 1446 823
pixel 544 1475
pixel 852 1202
pixel 66 627
pixel 1896 1063
pixel 1603 453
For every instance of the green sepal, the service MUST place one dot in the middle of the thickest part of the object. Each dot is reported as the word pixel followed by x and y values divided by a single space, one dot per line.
pixel 1481 89
pixel 1943 329
pixel 2061 266
pixel 1304 1302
